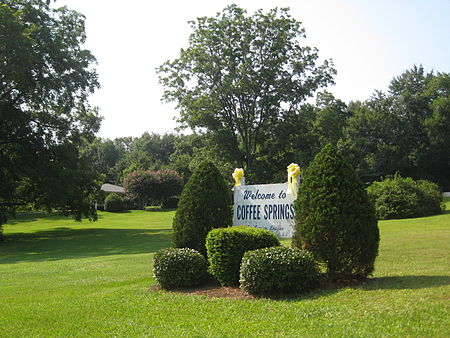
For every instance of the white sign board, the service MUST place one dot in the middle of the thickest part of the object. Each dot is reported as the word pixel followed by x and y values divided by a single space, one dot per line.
pixel 266 206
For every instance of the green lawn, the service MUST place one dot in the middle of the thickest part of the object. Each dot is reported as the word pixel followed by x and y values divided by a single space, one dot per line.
pixel 61 278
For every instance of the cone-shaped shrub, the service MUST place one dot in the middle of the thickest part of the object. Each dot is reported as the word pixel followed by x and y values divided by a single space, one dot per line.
pixel 204 205
pixel 334 218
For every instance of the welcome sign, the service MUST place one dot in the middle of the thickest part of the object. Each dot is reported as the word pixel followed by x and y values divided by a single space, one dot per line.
pixel 267 206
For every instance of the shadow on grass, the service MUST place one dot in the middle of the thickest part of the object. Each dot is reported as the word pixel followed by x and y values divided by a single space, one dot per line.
pixel 380 283
pixel 33 216
pixel 65 243
pixel 405 282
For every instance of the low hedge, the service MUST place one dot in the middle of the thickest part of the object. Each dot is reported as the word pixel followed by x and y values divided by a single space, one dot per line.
pixel 278 270
pixel 179 267
pixel 226 246
pixel 403 197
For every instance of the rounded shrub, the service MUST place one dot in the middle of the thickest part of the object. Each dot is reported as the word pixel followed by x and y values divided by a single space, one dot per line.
pixel 402 197
pixel 278 270
pixel 179 267
pixel 114 203
pixel 225 248
pixel 334 218
pixel 430 197
pixel 204 205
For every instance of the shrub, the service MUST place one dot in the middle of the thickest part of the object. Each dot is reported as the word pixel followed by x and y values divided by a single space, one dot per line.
pixel 171 184
pixel 204 205
pixel 225 248
pixel 402 197
pixel 141 186
pixel 334 219
pixel 179 267
pixel 278 270
pixel 430 198
pixel 170 203
pixel 114 203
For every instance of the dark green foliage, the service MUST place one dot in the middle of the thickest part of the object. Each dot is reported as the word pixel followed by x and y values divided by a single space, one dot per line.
pixel 399 197
pixel 430 197
pixel 204 205
pixel 240 76
pixel 114 203
pixel 278 270
pixel 225 248
pixel 170 203
pixel 46 77
pixel 142 185
pixel 405 129
pixel 171 184
pixel 179 267
pixel 334 218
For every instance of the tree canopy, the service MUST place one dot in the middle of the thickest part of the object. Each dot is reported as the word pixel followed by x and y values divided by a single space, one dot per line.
pixel 46 77
pixel 241 75
pixel 405 129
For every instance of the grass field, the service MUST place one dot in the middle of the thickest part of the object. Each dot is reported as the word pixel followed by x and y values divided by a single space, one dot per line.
pixel 61 278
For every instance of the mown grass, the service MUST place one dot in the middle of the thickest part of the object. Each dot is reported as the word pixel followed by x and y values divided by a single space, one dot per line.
pixel 60 278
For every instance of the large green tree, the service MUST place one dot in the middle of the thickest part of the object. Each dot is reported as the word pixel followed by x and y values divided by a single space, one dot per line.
pixel 405 129
pixel 240 76
pixel 45 79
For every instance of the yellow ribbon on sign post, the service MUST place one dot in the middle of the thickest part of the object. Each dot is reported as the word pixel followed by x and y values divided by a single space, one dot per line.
pixel 294 172
pixel 238 176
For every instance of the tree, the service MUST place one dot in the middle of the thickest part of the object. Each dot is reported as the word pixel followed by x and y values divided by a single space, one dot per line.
pixel 240 76
pixel 171 184
pixel 104 155
pixel 191 150
pixel 45 79
pixel 142 186
pixel 334 218
pixel 404 130
pixel 204 205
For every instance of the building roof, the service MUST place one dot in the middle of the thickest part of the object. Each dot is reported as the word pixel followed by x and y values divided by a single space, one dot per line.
pixel 112 188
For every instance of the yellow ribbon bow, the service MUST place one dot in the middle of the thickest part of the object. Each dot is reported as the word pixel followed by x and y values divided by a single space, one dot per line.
pixel 293 170
pixel 238 176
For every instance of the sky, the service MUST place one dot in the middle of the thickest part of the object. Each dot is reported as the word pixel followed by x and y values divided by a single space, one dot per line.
pixel 369 42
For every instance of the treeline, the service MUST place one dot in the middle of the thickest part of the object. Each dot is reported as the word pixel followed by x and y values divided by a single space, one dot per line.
pixel 404 130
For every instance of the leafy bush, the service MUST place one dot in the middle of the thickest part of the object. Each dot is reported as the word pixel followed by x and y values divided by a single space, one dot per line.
pixel 334 219
pixel 141 186
pixel 402 197
pixel 114 203
pixel 204 205
pixel 225 248
pixel 171 184
pixel 278 269
pixel 179 267
pixel 170 203
pixel 430 198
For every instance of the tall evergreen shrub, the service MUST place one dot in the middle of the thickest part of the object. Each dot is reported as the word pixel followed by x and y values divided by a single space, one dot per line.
pixel 204 205
pixel 334 218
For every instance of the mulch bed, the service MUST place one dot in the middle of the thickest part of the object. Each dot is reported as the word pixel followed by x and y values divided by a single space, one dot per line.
pixel 211 290
pixel 214 290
